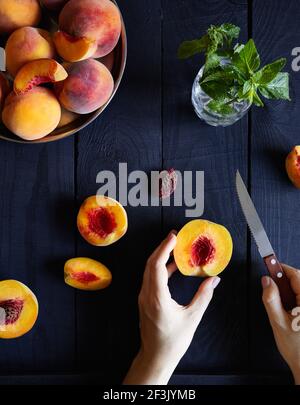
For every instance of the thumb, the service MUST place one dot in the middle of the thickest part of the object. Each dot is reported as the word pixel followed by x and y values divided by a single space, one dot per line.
pixel 203 296
pixel 272 301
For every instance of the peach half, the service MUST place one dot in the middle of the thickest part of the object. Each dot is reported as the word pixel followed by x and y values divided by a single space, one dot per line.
pixel 25 45
pixel 37 72
pixel 101 220
pixel 86 274
pixel 31 115
pixel 292 165
pixel 18 309
pixel 74 49
pixel 97 20
pixel 18 13
pixel 203 248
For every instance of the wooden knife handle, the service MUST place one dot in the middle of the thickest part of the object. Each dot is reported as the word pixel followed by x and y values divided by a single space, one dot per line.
pixel 278 275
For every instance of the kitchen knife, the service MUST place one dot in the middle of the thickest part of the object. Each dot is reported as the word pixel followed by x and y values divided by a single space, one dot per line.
pixel 264 246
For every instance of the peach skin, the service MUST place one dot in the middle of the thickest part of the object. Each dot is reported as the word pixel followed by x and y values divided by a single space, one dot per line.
pixel 203 248
pixel 89 86
pixel 31 115
pixel 292 165
pixel 25 45
pixel 101 220
pixel 15 14
pixel 97 20
pixel 20 308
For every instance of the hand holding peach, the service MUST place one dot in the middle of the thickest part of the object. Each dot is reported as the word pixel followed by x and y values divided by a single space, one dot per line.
pixel 167 328
pixel 203 248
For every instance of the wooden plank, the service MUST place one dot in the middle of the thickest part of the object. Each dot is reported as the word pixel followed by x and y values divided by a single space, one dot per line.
pixel 129 131
pixel 275 132
pixel 36 213
pixel 220 344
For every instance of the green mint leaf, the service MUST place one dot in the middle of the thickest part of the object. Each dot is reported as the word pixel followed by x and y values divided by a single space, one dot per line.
pixel 278 88
pixel 218 75
pixel 247 87
pixel 217 83
pixel 191 48
pixel 220 107
pixel 256 99
pixel 269 72
pixel 230 31
pixel 212 61
pixel 216 89
pixel 247 60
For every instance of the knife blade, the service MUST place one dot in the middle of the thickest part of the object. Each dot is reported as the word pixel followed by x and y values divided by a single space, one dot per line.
pixel 263 243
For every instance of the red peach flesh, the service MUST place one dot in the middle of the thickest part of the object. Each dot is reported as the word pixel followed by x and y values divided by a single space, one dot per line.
pixel 203 251
pixel 102 222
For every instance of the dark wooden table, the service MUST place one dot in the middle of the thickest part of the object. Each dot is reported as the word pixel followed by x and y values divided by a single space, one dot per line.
pixel 83 337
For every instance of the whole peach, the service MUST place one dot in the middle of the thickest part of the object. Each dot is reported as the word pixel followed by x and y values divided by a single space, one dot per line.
pixel 25 45
pixel 88 86
pixel 18 13
pixel 31 115
pixel 98 20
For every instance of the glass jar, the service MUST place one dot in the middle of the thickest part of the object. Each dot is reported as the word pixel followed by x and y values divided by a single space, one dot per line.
pixel 200 102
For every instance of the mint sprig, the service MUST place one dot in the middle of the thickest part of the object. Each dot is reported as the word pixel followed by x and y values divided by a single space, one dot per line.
pixel 234 73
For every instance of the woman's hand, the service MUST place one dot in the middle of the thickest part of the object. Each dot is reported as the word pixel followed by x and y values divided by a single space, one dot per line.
pixel 286 336
pixel 167 328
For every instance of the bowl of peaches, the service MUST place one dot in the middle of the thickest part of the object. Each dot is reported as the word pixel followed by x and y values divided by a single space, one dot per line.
pixel 64 60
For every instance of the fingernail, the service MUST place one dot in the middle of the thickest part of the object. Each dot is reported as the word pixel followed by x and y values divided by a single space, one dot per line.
pixel 216 282
pixel 265 281
pixel 171 234
pixel 174 232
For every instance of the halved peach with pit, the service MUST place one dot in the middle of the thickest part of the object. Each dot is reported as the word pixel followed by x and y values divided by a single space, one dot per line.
pixel 37 72
pixel 86 274
pixel 292 165
pixel 18 309
pixel 74 49
pixel 203 248
pixel 101 220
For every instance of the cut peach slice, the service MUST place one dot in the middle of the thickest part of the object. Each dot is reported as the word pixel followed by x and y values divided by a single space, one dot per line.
pixel 203 248
pixel 73 49
pixel 37 72
pixel 18 309
pixel 101 220
pixel 86 274
pixel 292 165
